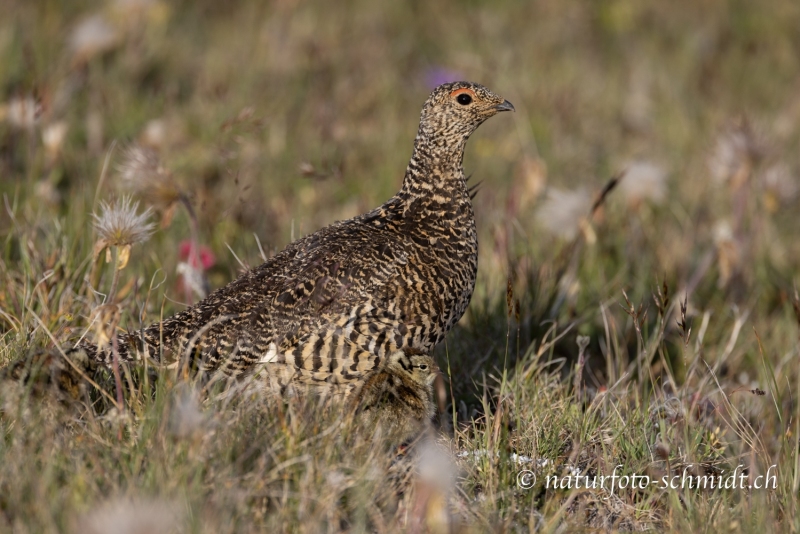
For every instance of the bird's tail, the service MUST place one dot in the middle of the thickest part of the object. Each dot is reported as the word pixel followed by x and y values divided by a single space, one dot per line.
pixel 71 370
pixel 134 345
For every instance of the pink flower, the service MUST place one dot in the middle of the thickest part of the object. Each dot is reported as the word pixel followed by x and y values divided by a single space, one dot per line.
pixel 202 258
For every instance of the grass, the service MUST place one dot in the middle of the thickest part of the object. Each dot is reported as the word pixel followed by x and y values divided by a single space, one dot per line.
pixel 270 121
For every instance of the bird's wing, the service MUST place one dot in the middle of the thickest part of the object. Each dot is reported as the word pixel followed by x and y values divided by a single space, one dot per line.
pixel 332 277
pixel 337 313
pixel 319 308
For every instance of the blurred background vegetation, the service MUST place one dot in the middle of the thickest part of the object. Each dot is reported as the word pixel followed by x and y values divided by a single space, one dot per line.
pixel 277 118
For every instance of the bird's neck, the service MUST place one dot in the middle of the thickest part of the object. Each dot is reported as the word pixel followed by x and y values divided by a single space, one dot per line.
pixel 435 169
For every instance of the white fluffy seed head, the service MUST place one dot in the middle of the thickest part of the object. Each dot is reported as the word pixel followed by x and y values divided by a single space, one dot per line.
pixel 562 211
pixel 644 181
pixel 142 173
pixel 735 150
pixel 22 112
pixel 134 516
pixel 119 224
pixel 92 36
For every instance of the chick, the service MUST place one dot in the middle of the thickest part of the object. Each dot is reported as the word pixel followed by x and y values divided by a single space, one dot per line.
pixel 398 396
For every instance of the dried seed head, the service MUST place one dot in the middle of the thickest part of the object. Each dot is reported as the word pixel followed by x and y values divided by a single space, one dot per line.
pixel 134 516
pixel 187 418
pixel 735 152
pixel 93 36
pixel 154 133
pixel 780 185
pixel 562 212
pixel 141 172
pixel 53 136
pixel 644 181
pixel 729 251
pixel 23 112
pixel 119 224
pixel 509 296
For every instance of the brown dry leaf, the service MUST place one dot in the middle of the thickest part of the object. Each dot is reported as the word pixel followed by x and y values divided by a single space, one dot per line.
pixel 168 214
pixel 589 235
pixel 530 179
pixel 99 245
pixel 106 318
pixel 125 290
pixel 124 256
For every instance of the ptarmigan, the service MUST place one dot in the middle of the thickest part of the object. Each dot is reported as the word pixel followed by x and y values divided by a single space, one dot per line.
pixel 333 305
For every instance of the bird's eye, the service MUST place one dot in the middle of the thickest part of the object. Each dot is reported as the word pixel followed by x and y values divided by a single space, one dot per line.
pixel 464 99
pixel 423 367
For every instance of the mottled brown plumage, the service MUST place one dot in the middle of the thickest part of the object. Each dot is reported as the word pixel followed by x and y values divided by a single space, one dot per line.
pixel 398 395
pixel 333 305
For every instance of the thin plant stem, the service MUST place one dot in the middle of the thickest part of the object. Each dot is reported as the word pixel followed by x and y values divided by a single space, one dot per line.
pixel 112 293
pixel 193 259
pixel 117 378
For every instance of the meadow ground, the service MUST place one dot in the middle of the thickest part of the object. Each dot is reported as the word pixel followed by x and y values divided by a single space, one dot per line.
pixel 656 330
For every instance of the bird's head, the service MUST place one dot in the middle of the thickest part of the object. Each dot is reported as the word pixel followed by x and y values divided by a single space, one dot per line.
pixel 454 110
pixel 419 367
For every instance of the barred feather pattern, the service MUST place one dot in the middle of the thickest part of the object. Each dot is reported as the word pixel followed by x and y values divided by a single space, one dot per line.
pixel 333 305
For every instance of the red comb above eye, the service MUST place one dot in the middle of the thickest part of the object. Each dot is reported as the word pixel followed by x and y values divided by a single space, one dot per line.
pixel 463 90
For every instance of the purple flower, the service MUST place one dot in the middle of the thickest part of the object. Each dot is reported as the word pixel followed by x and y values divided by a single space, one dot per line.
pixel 436 76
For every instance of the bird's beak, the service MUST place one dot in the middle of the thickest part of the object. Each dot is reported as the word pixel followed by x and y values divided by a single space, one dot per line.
pixel 505 106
